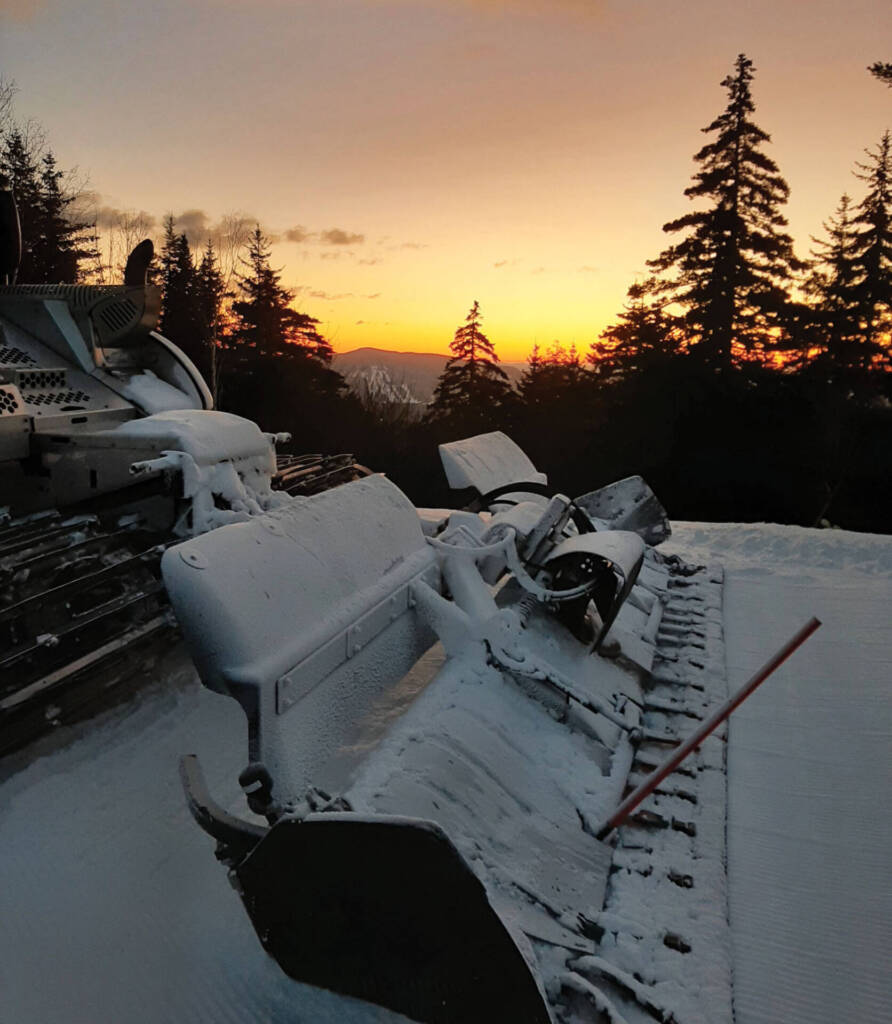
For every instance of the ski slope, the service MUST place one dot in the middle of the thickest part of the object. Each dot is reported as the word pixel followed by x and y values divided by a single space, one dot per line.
pixel 113 909
pixel 809 772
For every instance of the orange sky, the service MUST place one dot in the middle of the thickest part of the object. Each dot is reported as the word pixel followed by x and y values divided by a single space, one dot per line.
pixel 422 154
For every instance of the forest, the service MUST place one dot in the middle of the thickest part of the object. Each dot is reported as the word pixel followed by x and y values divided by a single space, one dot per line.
pixel 743 380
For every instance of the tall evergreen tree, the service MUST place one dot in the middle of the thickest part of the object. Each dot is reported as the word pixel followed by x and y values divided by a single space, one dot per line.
pixel 836 329
pixel 277 367
pixel 54 245
pixel 732 271
pixel 19 164
pixel 264 318
pixel 873 254
pixel 209 294
pixel 179 301
pixel 645 338
pixel 472 386
pixel 62 243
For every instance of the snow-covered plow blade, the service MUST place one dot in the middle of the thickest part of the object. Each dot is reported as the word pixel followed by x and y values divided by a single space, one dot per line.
pixel 381 908
pixel 451 871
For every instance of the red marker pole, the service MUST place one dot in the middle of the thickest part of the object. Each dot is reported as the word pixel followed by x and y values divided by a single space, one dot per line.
pixel 679 754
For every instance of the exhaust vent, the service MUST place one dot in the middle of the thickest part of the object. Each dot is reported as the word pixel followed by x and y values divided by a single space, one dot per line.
pixel 118 316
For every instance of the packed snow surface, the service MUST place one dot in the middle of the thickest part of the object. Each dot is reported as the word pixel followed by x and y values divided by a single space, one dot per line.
pixel 114 909
pixel 809 771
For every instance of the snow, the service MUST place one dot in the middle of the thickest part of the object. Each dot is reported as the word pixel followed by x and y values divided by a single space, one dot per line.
pixel 809 771
pixel 152 394
pixel 486 462
pixel 206 436
pixel 114 908
pixel 225 463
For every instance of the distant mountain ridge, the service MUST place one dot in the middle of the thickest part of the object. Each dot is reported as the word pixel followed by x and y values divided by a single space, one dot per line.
pixel 399 376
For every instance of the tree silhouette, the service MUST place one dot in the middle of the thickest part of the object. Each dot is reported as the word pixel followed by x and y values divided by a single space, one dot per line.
pixel 472 387
pixel 179 301
pixel 264 318
pixel 277 366
pixel 209 295
pixel 882 70
pixel 644 339
pixel 54 244
pixel 872 259
pixel 731 272
pixel 836 328
pixel 62 243
pixel 19 164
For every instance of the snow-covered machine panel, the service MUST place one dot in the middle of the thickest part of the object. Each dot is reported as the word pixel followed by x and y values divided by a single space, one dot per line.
pixel 304 615
pixel 487 462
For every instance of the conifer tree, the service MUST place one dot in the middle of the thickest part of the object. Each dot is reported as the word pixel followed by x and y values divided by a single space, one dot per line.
pixel 53 244
pixel 209 294
pixel 472 386
pixel 873 254
pixel 179 301
pixel 18 163
pixel 645 338
pixel 836 323
pixel 264 318
pixel 279 371
pixel 731 271
pixel 62 243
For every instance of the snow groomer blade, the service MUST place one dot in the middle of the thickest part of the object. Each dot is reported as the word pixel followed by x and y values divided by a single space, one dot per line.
pixel 386 910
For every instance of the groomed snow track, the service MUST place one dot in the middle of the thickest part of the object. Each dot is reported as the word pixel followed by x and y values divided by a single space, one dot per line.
pixel 664 950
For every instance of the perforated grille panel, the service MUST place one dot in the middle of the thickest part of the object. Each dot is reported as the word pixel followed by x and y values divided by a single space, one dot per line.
pixel 41 380
pixel 58 398
pixel 12 356
pixel 9 402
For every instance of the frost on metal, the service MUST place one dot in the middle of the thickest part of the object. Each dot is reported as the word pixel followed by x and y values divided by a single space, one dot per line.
pixel 225 463
pixel 486 462
pixel 514 754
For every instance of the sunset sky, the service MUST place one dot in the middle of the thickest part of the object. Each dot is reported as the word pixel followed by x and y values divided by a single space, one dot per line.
pixel 410 156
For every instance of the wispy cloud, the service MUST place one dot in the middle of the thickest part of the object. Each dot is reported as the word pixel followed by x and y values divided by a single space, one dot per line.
pixel 108 217
pixel 337 236
pixel 330 296
pixel 298 234
pixel 194 224
pixel 586 269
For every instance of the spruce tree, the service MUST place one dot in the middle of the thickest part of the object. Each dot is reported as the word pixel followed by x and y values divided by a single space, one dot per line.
pixel 264 318
pixel 277 367
pixel 62 243
pixel 732 270
pixel 179 301
pixel 472 386
pixel 836 330
pixel 19 164
pixel 645 338
pixel 209 295
pixel 873 254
